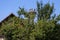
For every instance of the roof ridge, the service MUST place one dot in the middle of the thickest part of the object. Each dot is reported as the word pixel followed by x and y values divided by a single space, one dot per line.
pixel 8 16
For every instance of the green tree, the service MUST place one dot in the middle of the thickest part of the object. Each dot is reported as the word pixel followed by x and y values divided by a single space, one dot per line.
pixel 46 27
pixel 44 12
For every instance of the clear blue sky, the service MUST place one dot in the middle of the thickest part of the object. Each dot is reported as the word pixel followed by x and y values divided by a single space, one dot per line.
pixel 12 6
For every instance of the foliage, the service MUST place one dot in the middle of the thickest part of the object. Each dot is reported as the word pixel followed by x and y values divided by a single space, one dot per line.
pixel 46 27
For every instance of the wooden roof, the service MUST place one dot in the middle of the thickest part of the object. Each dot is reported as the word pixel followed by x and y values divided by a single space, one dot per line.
pixel 11 15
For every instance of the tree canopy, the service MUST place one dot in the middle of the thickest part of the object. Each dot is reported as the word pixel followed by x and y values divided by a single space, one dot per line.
pixel 46 27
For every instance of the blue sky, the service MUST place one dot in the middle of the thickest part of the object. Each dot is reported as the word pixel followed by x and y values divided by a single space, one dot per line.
pixel 12 6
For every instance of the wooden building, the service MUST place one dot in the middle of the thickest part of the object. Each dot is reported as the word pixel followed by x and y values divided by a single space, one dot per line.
pixel 9 20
